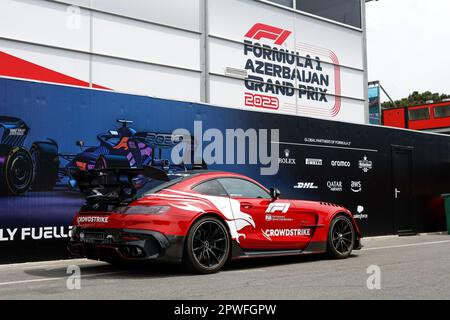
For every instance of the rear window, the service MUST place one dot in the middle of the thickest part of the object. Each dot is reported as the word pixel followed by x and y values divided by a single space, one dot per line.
pixel 155 186
pixel 211 188
pixel 419 114
pixel 241 188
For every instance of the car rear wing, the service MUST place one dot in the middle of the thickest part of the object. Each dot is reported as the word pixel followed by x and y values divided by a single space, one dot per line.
pixel 160 140
pixel 116 184
pixel 166 141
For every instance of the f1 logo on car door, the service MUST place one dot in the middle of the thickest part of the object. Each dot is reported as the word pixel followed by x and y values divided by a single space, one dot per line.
pixel 284 227
pixel 274 223
pixel 273 207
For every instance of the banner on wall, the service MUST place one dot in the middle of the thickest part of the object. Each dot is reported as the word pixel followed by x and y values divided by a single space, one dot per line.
pixel 279 62
pixel 269 59
pixel 44 140
pixel 276 75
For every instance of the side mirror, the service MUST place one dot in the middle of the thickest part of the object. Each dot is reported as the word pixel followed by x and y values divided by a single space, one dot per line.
pixel 275 193
pixel 80 143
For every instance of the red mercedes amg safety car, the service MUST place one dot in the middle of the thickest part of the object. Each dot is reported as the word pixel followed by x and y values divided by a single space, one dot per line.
pixel 200 218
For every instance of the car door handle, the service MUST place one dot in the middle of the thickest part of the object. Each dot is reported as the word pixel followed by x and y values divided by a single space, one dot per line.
pixel 396 192
pixel 246 205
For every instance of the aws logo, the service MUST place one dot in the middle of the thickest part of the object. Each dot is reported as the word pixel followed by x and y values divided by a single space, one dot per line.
pixel 263 31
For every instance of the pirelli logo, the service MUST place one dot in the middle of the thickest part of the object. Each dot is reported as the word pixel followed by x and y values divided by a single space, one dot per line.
pixel 313 162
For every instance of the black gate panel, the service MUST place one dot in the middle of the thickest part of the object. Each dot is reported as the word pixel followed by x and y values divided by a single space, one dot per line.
pixel 404 215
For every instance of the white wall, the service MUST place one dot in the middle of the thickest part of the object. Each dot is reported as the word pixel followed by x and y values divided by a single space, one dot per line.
pixel 229 21
pixel 154 47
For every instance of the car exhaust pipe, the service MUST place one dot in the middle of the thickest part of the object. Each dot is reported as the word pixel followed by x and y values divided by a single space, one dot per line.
pixel 126 251
pixel 136 252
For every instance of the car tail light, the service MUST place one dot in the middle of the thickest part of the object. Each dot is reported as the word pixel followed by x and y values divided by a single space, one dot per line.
pixel 143 209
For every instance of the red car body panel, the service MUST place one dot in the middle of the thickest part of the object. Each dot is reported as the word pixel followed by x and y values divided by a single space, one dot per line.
pixel 253 223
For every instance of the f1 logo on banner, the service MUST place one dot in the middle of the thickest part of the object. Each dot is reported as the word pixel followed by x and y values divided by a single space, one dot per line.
pixel 261 30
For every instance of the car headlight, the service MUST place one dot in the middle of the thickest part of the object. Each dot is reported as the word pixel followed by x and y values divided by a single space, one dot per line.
pixel 143 210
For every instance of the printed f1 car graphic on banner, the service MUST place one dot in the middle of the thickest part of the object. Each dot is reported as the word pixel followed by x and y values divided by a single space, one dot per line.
pixel 277 75
pixel 43 166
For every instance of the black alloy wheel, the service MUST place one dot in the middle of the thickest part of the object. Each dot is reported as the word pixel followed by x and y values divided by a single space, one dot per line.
pixel 207 246
pixel 341 237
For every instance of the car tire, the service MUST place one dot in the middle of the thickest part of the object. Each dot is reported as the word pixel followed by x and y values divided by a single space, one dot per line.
pixel 341 237
pixel 16 170
pixel 207 246
pixel 46 165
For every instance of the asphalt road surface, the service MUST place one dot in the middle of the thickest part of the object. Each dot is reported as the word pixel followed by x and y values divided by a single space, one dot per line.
pixel 410 267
